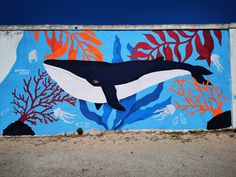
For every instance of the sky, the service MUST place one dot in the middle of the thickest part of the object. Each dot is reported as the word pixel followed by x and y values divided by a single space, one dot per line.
pixel 115 12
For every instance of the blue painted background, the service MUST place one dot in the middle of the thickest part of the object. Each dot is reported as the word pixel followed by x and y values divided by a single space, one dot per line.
pixel 117 46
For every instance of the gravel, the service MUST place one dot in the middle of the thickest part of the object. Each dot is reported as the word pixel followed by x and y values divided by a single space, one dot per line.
pixel 120 154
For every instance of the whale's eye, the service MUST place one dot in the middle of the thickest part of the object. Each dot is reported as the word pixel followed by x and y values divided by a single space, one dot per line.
pixel 95 81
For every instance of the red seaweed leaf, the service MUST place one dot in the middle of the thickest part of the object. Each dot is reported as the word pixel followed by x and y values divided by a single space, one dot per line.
pixel 188 51
pixel 143 45
pixel 151 38
pixel 183 34
pixel 203 51
pixel 138 54
pixel 192 30
pixel 209 43
pixel 159 55
pixel 173 35
pixel 200 58
pixel 168 53
pixel 218 35
pixel 181 38
pixel 177 53
pixel 161 34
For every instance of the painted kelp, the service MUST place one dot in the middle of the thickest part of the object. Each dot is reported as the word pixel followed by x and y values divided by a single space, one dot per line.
pixel 36 101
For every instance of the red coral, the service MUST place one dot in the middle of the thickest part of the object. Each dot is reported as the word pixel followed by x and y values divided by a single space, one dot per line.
pixel 154 49
pixel 41 94
pixel 207 98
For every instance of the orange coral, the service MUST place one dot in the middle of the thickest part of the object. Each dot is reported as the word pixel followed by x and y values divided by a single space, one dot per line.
pixel 84 40
pixel 206 97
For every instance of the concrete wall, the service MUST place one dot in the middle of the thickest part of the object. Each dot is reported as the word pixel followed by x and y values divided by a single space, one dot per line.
pixel 181 82
pixel 233 72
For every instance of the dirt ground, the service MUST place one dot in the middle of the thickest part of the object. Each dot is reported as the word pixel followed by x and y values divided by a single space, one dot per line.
pixel 120 154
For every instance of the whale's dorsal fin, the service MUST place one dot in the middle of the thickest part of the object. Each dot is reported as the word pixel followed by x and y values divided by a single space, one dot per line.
pixel 111 97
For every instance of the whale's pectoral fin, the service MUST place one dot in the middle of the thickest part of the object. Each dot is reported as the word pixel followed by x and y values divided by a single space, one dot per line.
pixel 98 105
pixel 111 97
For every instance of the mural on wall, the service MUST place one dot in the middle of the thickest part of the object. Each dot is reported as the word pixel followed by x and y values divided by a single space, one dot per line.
pixel 36 103
pixel 84 40
pixel 117 80
pixel 207 98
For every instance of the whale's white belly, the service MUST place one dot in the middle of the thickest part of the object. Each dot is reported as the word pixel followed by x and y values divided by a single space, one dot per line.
pixel 80 88
pixel 148 80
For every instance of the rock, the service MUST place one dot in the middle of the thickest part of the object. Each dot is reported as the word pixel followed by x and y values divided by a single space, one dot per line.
pixel 17 128
pixel 222 120
pixel 94 132
pixel 80 131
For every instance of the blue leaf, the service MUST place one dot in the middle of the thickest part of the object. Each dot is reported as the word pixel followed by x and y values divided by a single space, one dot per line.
pixel 91 115
pixel 117 51
pixel 149 98
pixel 146 113
pixel 106 113
pixel 120 115
pixel 132 106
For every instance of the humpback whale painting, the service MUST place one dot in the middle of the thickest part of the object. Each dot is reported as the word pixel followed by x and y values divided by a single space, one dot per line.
pixel 96 81
pixel 116 80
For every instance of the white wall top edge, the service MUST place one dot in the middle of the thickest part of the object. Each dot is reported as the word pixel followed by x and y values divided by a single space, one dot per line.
pixel 116 27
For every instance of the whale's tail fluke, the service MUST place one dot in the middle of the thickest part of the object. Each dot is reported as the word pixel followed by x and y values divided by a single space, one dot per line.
pixel 198 72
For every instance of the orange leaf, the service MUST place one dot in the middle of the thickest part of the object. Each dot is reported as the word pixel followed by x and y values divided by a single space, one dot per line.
pixel 91 32
pixel 48 40
pixel 94 57
pixel 59 52
pixel 87 37
pixel 95 51
pixel 72 53
pixel 54 41
pixel 36 35
pixel 57 44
